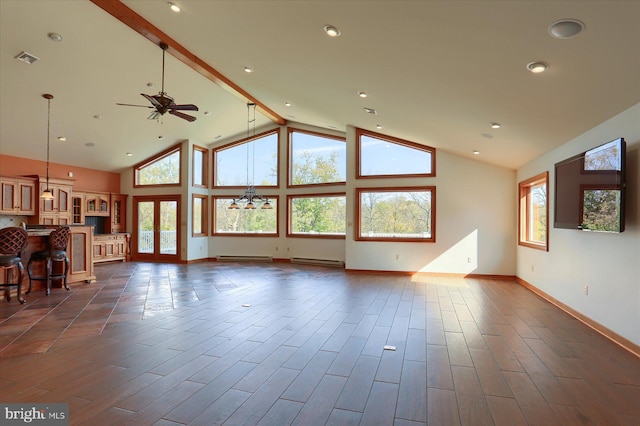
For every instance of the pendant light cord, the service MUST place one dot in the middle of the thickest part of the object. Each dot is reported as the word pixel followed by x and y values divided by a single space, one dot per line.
pixel 48 136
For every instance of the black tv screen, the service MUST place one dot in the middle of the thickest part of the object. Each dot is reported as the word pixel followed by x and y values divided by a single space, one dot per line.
pixel 590 189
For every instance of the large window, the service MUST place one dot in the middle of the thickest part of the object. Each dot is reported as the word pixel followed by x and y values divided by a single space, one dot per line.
pixel 200 216
pixel 160 170
pixel 384 156
pixel 250 161
pixel 200 166
pixel 534 212
pixel 318 215
pixel 396 214
pixel 316 158
pixel 256 222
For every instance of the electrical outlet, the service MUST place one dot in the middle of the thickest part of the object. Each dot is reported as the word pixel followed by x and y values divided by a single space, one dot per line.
pixel 468 260
pixel 585 290
pixel 532 268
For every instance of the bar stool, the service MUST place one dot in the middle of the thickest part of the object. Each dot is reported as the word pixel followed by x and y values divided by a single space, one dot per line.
pixel 12 241
pixel 56 252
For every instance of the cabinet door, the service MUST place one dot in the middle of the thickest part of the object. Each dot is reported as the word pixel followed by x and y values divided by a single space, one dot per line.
pixel 26 194
pixel 64 199
pixel 8 202
pixel 77 211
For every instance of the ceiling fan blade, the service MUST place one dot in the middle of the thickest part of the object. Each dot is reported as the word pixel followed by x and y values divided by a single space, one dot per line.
pixel 182 115
pixel 142 106
pixel 153 100
pixel 184 107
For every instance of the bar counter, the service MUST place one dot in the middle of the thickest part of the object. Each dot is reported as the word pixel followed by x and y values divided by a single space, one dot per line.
pixel 79 252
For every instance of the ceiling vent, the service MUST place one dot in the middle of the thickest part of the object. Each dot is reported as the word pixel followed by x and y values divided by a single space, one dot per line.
pixel 27 57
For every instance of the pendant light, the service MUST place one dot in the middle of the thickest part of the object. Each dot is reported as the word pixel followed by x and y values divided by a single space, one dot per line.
pixel 47 194
pixel 250 195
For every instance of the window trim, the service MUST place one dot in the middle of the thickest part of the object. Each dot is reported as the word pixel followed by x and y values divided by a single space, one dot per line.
pixel 157 157
pixel 358 211
pixel 205 166
pixel 290 132
pixel 397 141
pixel 273 199
pixel 317 236
pixel 524 199
pixel 224 147
pixel 204 220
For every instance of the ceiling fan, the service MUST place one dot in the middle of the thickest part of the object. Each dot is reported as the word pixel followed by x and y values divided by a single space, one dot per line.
pixel 163 103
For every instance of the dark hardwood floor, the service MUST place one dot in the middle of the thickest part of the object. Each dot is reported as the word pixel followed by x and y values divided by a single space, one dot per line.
pixel 278 344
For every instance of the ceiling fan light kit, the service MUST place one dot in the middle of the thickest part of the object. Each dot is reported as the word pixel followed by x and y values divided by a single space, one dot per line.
pixel 163 103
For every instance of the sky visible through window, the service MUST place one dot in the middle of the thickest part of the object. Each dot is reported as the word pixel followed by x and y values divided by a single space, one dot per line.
pixel 380 157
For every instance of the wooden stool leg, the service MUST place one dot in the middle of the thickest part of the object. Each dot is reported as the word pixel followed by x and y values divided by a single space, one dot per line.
pixel 48 276
pixel 66 272
pixel 20 276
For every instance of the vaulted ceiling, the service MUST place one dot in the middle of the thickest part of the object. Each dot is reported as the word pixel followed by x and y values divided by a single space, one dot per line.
pixel 436 72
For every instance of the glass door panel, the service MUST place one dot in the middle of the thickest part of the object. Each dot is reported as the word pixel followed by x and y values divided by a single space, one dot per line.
pixel 168 227
pixel 156 220
pixel 146 243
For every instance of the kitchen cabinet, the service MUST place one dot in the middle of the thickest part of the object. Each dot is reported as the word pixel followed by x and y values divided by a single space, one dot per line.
pixel 109 247
pixel 58 210
pixel 18 196
pixel 117 223
pixel 97 204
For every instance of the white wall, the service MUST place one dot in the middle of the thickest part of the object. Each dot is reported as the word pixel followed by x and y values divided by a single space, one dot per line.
pixel 475 221
pixel 609 264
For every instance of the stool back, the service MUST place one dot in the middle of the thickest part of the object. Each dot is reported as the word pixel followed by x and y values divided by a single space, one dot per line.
pixel 59 238
pixel 12 240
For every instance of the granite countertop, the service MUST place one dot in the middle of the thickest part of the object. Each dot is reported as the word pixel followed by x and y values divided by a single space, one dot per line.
pixel 39 232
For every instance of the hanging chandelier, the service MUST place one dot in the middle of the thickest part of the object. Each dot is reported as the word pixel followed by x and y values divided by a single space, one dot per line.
pixel 250 195
pixel 47 194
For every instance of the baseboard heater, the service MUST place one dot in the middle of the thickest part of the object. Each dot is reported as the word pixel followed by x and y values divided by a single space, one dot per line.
pixel 320 262
pixel 267 259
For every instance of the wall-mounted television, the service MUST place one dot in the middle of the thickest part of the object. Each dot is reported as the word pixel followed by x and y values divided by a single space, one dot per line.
pixel 590 189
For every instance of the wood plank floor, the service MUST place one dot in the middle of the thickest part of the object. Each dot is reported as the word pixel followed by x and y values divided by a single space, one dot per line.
pixel 279 344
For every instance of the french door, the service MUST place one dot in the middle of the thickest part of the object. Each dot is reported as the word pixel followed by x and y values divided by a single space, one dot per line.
pixel 156 228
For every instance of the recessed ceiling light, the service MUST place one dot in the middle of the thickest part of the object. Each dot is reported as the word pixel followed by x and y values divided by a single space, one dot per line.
pixel 217 137
pixel 287 104
pixel 486 135
pixel 476 152
pixel 362 94
pixel 62 138
pixel 160 137
pixel 207 113
pixel 248 70
pixel 566 28
pixel 151 84
pixel 89 144
pixel 370 111
pixel 97 117
pixel 129 154
pixel 378 126
pixel 332 31
pixel 54 36
pixel 174 7
pixel 537 67
pixel 495 125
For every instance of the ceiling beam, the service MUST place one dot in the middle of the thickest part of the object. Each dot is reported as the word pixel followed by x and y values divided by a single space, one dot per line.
pixel 137 23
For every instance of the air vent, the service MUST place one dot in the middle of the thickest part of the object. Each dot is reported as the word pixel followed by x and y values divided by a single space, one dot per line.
pixel 27 57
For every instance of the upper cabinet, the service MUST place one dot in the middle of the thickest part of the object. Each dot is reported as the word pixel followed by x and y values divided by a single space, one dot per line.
pixel 18 196
pixel 118 213
pixel 97 204
pixel 58 210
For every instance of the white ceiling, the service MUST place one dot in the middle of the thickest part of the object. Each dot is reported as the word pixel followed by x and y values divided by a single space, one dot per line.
pixel 437 72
